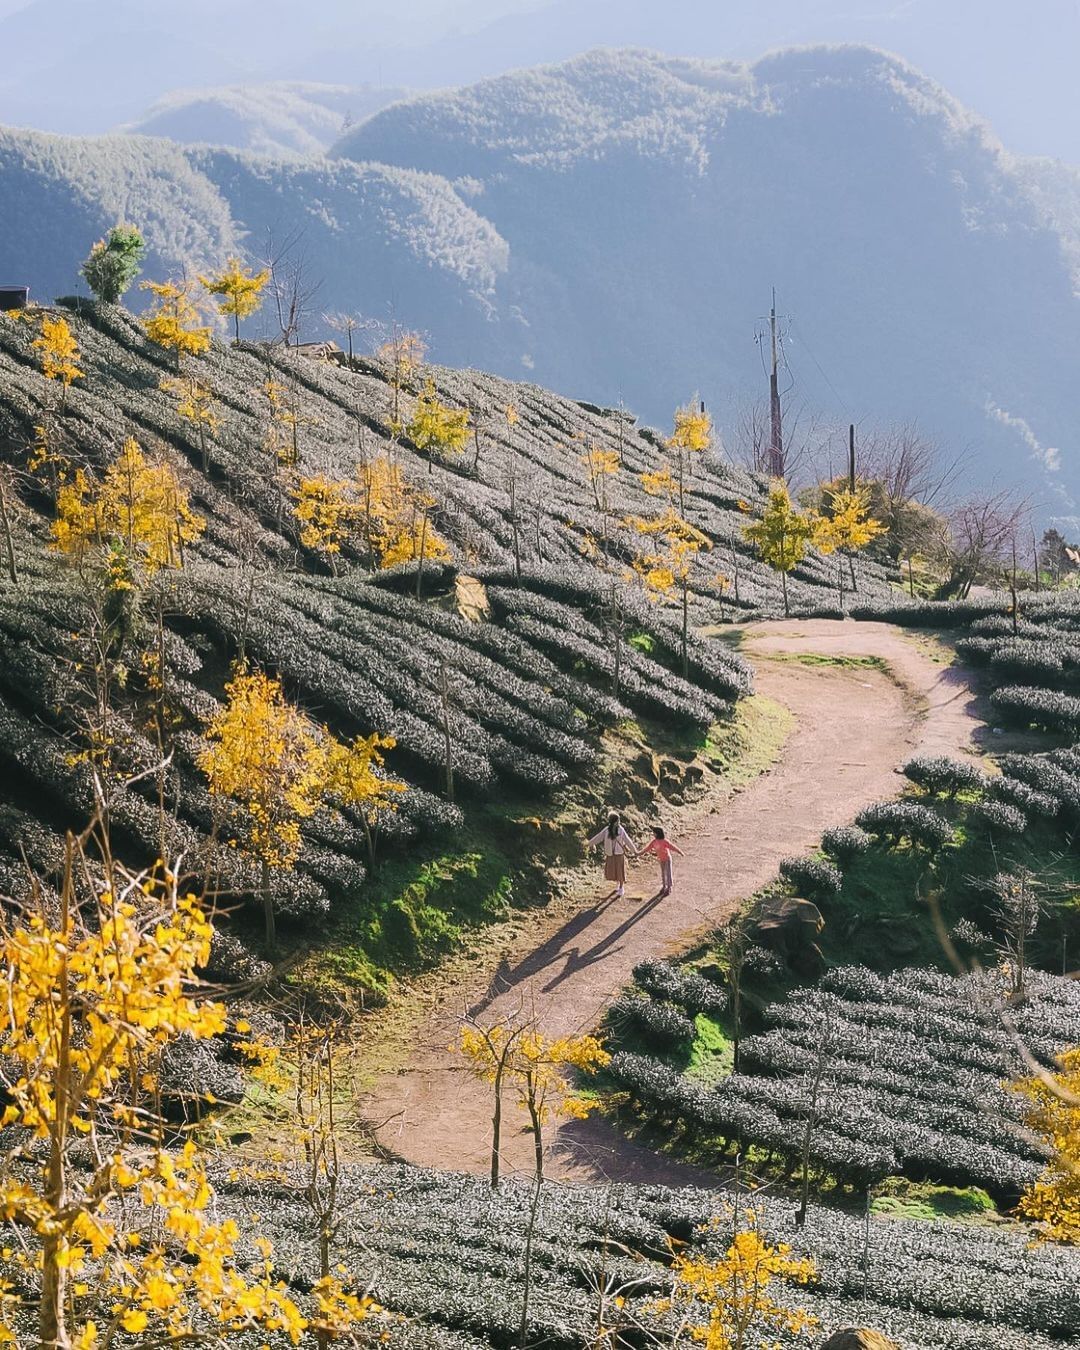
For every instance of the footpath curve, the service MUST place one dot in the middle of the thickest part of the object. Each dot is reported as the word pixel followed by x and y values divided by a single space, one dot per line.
pixel 854 726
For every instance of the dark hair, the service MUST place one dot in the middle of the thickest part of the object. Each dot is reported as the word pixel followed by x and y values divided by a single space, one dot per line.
pixel 658 831
pixel 613 825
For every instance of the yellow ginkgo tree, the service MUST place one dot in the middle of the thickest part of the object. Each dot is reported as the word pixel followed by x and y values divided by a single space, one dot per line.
pixel 692 435
pixel 669 549
pixel 846 527
pixel 108 1213
pixel 436 427
pixel 514 1053
pixel 327 512
pixel 278 768
pixel 59 354
pixel 395 516
pixel 782 533
pixel 195 404
pixel 239 291
pixel 174 321
pixel 1053 1101
pixel 139 504
pixel 728 1302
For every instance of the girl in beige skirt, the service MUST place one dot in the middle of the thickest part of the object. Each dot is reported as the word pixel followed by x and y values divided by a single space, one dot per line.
pixel 617 844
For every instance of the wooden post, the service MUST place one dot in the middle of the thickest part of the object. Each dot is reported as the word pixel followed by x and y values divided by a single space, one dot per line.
pixel 851 457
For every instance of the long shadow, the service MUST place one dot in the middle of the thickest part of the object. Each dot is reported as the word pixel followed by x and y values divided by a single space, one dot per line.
pixel 507 976
pixel 577 960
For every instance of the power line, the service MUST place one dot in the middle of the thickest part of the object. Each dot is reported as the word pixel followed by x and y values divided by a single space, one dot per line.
pixel 821 371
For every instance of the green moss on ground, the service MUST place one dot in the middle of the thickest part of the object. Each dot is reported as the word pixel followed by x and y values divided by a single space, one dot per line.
pixel 712 1055
pixel 898 1198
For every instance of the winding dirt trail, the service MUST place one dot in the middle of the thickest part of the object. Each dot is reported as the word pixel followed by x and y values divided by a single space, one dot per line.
pixel 854 727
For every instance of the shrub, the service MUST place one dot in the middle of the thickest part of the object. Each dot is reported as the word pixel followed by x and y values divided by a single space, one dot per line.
pixel 660 1023
pixel 812 878
pixel 999 816
pixel 938 775
pixel 1040 773
pixel 692 991
pixel 1037 707
pixel 977 650
pixel 1016 793
pixel 844 844
pixel 905 820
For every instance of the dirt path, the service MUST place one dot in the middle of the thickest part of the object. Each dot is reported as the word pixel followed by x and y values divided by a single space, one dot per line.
pixel 854 727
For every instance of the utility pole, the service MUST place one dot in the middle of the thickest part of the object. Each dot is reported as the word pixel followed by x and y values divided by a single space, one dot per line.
pixel 776 423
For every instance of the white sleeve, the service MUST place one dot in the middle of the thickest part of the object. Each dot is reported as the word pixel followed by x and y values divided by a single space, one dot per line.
pixel 626 839
pixel 597 837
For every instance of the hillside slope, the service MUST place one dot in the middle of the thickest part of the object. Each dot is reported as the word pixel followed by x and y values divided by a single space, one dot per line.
pixel 529 690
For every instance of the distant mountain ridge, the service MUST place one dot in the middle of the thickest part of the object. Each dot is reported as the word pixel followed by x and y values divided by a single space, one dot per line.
pixel 649 204
pixel 275 119
pixel 612 227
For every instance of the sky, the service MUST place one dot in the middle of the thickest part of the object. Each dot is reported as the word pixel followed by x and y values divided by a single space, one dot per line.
pixel 1013 61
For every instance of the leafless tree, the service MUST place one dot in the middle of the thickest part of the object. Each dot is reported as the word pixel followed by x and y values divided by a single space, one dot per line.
pixel 293 289
pixel 804 437
pixel 908 466
pixel 976 544
pixel 350 325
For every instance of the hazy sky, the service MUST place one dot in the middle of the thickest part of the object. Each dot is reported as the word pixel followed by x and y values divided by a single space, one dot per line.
pixel 82 64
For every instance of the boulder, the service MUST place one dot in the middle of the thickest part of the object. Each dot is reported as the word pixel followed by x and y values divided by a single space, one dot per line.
pixel 859 1339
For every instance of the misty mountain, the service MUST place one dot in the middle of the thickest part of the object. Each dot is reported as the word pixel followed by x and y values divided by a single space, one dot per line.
pixel 83 66
pixel 275 119
pixel 612 228
pixel 649 204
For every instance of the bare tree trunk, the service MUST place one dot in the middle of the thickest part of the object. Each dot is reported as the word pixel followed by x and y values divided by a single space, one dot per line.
pixel 685 627
pixel 811 1121
pixel 523 1328
pixel 423 550
pixel 269 917
pixel 496 1127
pixel 448 745
pixel 538 1133
pixel 9 543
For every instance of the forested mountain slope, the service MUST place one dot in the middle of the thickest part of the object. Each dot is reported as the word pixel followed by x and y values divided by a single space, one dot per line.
pixel 660 199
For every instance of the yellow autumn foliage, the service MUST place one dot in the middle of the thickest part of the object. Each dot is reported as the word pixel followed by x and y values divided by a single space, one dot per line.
pixel 280 768
pixel 396 516
pixel 693 429
pixel 436 426
pixel 326 511
pixel 174 321
pixel 194 401
pixel 727 1301
pixel 240 290
pixel 93 995
pixel 59 352
pixel 1053 1202
pixel 848 526
pixel 138 504
pixel 536 1067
